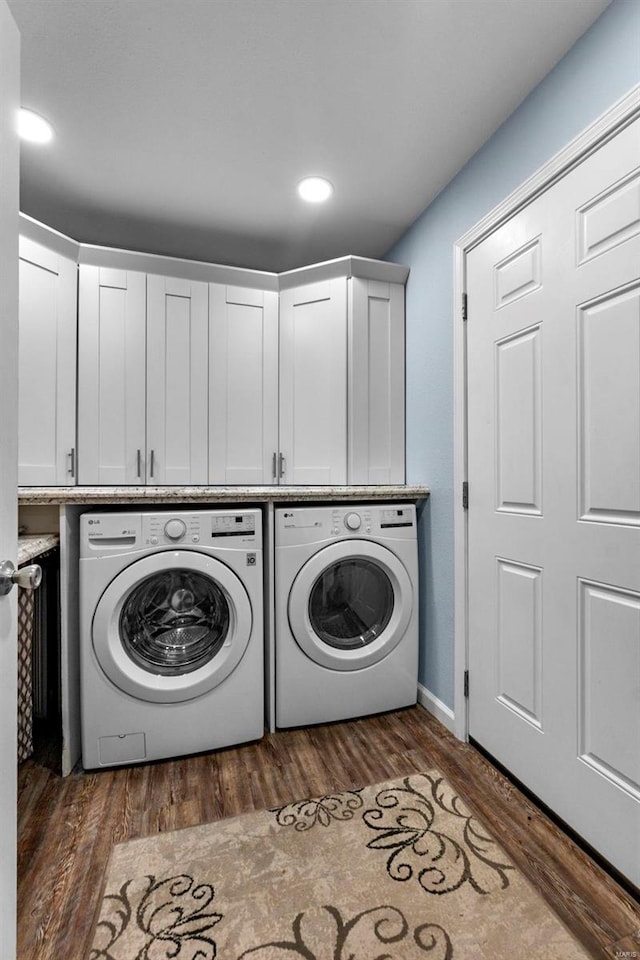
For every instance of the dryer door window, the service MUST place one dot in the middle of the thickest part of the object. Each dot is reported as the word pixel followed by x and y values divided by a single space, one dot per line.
pixel 351 603
pixel 174 622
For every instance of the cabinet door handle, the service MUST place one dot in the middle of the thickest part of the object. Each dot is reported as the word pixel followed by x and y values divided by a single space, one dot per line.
pixel 139 464
pixel 283 464
pixel 72 462
pixel 274 469
pixel 152 458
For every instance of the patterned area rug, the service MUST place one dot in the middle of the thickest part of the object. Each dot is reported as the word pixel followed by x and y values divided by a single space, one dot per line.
pixel 396 871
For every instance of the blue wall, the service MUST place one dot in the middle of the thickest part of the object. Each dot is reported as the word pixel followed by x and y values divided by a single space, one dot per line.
pixel 599 69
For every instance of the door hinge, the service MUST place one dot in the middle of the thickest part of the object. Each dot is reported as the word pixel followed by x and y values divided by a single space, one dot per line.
pixel 464 306
pixel 466 683
pixel 465 495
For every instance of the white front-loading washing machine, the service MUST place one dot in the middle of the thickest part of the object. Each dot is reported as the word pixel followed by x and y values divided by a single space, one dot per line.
pixel 346 624
pixel 171 633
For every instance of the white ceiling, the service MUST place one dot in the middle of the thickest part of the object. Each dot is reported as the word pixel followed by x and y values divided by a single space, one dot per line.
pixel 183 126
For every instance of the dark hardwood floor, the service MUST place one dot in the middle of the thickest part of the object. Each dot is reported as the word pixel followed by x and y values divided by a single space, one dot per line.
pixel 67 827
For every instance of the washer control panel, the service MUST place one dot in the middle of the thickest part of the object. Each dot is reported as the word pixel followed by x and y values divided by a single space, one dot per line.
pixel 234 526
pixel 108 533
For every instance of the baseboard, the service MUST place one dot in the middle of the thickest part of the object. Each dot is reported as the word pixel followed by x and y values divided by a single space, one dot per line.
pixel 440 710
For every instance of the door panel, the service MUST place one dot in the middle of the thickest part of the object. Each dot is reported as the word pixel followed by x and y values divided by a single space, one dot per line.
pixel 313 383
pixel 554 479
pixel 519 639
pixel 609 219
pixel 518 417
pixel 518 274
pixel 243 394
pixel 609 460
pixel 609 667
pixel 47 366
pixel 111 363
pixel 376 381
pixel 177 381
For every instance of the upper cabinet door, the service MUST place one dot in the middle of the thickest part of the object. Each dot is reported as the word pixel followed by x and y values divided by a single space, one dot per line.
pixel 111 376
pixel 313 383
pixel 243 389
pixel 177 381
pixel 47 367
pixel 376 382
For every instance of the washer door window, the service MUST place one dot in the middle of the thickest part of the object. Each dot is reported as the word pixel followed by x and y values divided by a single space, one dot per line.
pixel 174 622
pixel 350 604
pixel 172 626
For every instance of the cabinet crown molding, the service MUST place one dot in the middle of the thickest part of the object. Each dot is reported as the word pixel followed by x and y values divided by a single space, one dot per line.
pixel 92 255
pixel 48 237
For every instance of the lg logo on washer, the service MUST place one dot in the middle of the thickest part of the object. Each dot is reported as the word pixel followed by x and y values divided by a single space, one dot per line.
pixel 302 521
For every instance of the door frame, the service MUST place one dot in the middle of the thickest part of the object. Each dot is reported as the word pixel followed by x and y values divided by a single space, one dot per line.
pixel 623 112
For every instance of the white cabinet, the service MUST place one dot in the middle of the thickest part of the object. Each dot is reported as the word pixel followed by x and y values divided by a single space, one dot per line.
pixel 111 376
pixel 47 367
pixel 376 378
pixel 196 380
pixel 313 383
pixel 243 385
pixel 177 381
pixel 278 391
pixel 143 346
pixel 313 394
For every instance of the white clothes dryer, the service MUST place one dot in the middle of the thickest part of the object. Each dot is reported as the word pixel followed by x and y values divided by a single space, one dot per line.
pixel 171 633
pixel 346 623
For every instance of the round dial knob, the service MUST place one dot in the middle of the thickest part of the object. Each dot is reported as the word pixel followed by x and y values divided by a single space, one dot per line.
pixel 175 529
pixel 352 521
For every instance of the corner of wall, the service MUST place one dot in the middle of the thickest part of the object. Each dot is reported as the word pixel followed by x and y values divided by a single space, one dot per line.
pixel 436 708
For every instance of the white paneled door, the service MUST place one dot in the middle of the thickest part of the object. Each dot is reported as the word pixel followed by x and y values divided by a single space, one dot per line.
pixel 554 497
pixel 9 153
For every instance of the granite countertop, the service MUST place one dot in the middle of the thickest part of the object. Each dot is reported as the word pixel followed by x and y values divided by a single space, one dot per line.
pixel 90 495
pixel 30 547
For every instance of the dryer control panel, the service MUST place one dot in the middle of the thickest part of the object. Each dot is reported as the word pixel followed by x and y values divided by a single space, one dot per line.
pixel 298 525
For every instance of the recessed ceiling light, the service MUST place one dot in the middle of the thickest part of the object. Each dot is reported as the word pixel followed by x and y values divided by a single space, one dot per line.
pixel 315 189
pixel 33 127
